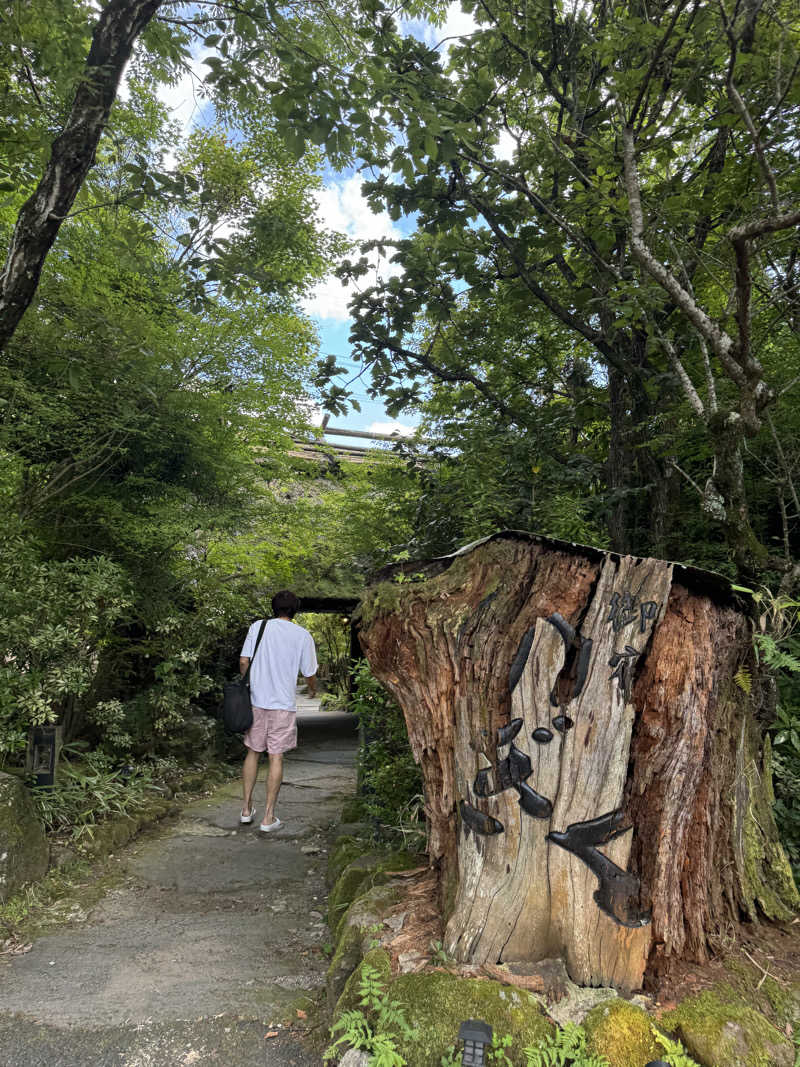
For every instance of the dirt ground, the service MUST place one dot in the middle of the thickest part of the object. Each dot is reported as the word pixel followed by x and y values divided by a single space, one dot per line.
pixel 210 944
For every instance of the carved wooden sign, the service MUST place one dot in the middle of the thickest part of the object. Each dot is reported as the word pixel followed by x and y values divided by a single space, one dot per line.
pixel 555 800
pixel 582 751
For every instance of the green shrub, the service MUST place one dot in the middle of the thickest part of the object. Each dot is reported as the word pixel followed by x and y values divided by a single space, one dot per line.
pixel 88 789
pixel 55 618
pixel 391 782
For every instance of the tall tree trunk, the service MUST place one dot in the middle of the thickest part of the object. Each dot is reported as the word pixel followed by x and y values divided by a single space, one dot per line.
pixel 71 157
pixel 619 466
pixel 595 782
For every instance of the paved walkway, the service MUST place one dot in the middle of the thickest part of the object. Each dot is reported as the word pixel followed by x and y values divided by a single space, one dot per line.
pixel 206 943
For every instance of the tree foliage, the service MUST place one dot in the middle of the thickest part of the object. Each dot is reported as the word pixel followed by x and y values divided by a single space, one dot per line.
pixel 621 175
pixel 165 345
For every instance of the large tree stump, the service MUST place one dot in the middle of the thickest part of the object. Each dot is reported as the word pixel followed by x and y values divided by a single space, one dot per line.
pixel 595 781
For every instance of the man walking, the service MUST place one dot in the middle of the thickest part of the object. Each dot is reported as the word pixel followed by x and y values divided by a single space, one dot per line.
pixel 285 650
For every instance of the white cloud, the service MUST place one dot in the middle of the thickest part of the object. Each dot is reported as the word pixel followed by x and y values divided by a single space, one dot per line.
pixel 506 146
pixel 398 428
pixel 185 99
pixel 457 23
pixel 343 208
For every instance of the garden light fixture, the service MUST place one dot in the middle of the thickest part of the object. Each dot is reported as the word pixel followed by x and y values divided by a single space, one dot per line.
pixel 477 1037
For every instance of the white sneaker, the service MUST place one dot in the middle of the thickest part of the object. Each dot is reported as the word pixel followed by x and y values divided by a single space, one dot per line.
pixel 268 828
pixel 244 820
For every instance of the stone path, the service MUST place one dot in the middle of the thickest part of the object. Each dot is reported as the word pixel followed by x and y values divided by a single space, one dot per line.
pixel 208 941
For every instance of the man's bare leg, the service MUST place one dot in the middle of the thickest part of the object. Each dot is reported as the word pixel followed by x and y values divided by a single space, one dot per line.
pixel 249 775
pixel 274 779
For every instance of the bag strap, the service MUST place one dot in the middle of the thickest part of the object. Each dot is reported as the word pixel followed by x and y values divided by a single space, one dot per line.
pixel 246 674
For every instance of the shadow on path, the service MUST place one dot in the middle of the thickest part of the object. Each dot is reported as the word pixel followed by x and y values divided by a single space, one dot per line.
pixel 210 938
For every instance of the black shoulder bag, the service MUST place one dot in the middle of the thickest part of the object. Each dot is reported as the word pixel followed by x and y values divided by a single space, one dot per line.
pixel 237 709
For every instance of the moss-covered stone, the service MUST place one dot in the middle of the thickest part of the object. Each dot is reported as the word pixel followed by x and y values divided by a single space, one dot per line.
pixel 346 959
pixel 778 1000
pixel 112 834
pixel 344 851
pixel 364 872
pixel 766 874
pixel 360 925
pixel 622 1033
pixel 436 1004
pixel 720 1030
pixel 378 959
pixel 784 1001
pixel 24 851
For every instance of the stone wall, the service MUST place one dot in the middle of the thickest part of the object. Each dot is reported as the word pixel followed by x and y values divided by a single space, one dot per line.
pixel 24 851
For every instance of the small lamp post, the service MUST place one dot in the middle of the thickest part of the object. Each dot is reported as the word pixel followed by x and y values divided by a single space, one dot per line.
pixel 44 744
pixel 477 1036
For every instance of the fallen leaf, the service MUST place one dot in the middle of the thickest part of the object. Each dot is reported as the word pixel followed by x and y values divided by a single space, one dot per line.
pixel 301 1014
pixel 272 1033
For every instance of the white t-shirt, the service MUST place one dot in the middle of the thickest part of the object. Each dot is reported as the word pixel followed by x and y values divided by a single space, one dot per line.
pixel 285 649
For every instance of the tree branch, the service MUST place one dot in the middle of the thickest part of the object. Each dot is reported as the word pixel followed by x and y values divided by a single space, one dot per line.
pixel 766 170
pixel 720 341
pixel 72 156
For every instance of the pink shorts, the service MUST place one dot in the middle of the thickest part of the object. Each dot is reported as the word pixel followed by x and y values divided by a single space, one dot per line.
pixel 273 731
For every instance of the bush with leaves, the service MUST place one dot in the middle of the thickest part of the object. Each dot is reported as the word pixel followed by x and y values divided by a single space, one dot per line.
pixel 391 782
pixel 55 619
pixel 89 789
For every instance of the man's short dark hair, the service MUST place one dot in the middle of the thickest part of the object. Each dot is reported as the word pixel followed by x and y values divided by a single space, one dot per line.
pixel 285 603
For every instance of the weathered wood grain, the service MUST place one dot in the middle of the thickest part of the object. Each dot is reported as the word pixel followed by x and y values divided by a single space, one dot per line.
pixel 656 777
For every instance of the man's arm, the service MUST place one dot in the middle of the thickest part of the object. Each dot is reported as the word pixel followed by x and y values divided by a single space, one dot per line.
pixel 244 663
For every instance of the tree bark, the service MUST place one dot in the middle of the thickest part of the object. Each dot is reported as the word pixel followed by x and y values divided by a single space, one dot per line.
pixel 596 785
pixel 71 157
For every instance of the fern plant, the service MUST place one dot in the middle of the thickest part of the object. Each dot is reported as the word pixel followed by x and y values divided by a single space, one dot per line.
pixel 374 1026
pixel 564 1048
pixel 673 1051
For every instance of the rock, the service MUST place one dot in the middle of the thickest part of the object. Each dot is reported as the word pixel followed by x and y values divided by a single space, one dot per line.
pixel 621 1032
pixel 24 851
pixel 364 872
pixel 720 1030
pixel 395 922
pixel 310 850
pixel 354 1058
pixel 346 848
pixel 437 1003
pixel 577 1002
pixel 356 935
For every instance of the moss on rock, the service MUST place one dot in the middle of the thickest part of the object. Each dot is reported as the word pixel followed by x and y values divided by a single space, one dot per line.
pixel 364 872
pixel 24 851
pixel 437 1003
pixel 622 1033
pixel 360 925
pixel 766 874
pixel 379 960
pixel 346 959
pixel 720 1030
pixel 344 851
